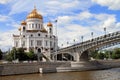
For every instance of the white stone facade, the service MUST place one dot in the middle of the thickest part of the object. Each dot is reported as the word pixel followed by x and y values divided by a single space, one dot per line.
pixel 33 35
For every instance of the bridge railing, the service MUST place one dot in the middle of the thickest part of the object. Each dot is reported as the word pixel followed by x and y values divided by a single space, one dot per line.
pixel 99 39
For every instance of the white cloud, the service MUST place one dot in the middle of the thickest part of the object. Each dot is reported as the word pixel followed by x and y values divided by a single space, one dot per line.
pixel 4 1
pixel 6 39
pixel 4 18
pixel 111 4
pixel 50 7
pixel 68 30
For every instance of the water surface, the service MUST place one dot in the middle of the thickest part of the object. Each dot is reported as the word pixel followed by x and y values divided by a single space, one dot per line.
pixel 110 74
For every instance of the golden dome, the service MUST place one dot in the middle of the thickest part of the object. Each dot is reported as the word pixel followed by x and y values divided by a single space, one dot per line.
pixel 23 23
pixel 34 14
pixel 44 30
pixel 49 24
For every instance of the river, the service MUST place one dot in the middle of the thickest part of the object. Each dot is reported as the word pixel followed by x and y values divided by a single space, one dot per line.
pixel 110 74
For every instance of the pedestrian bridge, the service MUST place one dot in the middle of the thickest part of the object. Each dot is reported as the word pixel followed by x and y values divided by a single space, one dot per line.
pixel 80 51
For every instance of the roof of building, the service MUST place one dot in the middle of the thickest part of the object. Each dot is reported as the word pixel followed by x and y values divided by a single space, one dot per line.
pixel 49 24
pixel 23 23
pixel 34 14
pixel 16 35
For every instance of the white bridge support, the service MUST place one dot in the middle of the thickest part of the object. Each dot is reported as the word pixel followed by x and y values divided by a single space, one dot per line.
pixel 76 57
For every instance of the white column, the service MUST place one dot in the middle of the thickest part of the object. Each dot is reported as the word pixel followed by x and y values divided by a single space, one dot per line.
pixel 28 43
pixel 34 45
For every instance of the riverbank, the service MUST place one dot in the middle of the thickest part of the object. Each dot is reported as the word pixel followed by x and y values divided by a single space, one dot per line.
pixel 45 67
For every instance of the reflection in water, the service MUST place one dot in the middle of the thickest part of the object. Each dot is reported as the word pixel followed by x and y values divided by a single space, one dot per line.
pixel 111 74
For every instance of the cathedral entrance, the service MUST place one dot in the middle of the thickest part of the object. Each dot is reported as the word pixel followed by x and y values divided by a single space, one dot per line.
pixel 39 54
pixel 39 50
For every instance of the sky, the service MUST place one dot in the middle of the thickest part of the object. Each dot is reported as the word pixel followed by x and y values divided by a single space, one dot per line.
pixel 76 18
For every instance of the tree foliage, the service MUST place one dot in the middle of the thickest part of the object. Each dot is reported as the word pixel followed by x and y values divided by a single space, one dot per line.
pixel 20 54
pixel 114 54
pixel 31 55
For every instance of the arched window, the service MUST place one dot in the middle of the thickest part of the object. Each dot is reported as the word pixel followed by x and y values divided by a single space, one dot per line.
pixel 38 34
pixel 23 35
pixel 39 26
pixel 16 44
pixel 23 28
pixel 50 30
pixel 36 26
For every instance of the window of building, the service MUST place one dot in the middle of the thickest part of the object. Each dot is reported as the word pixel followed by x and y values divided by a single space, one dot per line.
pixel 23 44
pixel 39 26
pixel 16 44
pixel 50 43
pixel 46 43
pixel 32 25
pixel 23 28
pixel 54 44
pixel 31 35
pixel 31 42
pixel 38 34
pixel 50 30
pixel 36 26
pixel 39 43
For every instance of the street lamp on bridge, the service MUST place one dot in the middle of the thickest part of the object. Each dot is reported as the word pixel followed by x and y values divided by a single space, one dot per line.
pixel 82 38
pixel 92 35
pixel 74 41
pixel 105 30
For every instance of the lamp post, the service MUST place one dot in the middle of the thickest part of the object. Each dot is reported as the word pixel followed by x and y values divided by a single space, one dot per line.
pixel 105 30
pixel 62 53
pixel 82 38
pixel 92 35
pixel 56 39
pixel 67 43
pixel 62 45
pixel 73 41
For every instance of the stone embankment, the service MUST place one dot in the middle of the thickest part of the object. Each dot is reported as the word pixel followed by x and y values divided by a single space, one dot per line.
pixel 27 68
pixel 46 67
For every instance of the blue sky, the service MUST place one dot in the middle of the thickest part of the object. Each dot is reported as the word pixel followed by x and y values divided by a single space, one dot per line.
pixel 76 18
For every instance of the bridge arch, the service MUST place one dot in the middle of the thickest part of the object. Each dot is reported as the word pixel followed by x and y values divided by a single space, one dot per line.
pixel 64 56
pixel 84 56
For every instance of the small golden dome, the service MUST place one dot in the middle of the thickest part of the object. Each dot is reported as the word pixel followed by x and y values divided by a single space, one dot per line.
pixel 44 30
pixel 34 14
pixel 19 28
pixel 49 24
pixel 23 23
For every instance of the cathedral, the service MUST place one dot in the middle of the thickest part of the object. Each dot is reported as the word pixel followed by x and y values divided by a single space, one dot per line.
pixel 34 36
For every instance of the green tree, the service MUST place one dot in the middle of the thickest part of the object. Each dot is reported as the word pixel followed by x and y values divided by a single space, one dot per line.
pixel 21 54
pixel 30 55
pixel 94 53
pixel 116 53
pixel 100 55
pixel 13 53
